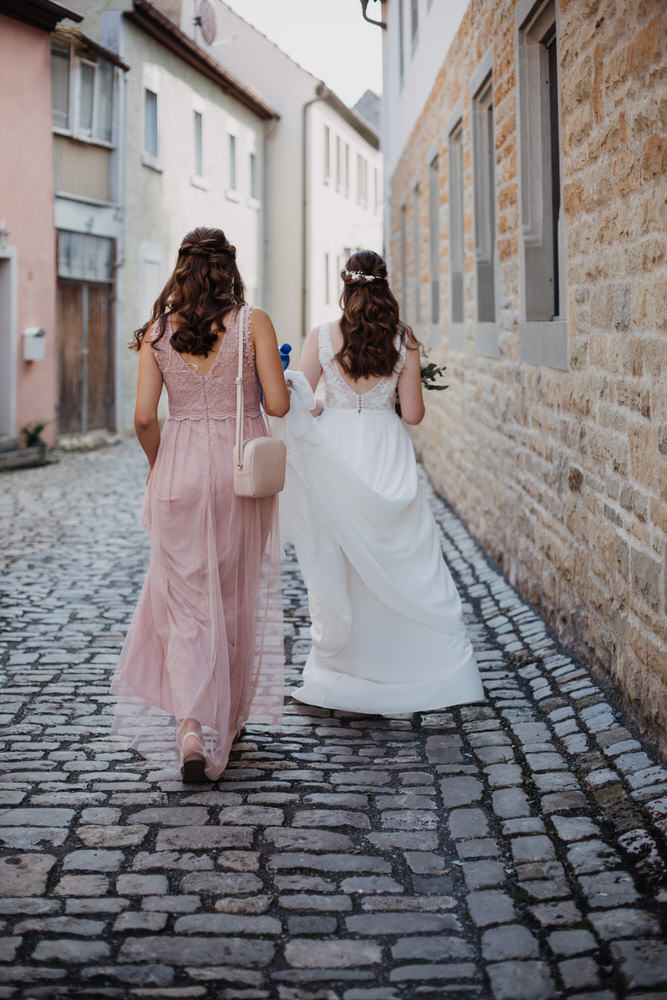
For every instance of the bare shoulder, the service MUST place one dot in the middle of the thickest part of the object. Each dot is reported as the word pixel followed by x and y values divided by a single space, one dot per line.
pixel 260 322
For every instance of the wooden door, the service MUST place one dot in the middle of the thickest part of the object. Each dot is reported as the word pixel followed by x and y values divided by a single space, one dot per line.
pixel 99 368
pixel 70 333
pixel 86 399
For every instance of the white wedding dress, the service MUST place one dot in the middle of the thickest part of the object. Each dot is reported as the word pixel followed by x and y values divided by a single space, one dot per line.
pixel 387 632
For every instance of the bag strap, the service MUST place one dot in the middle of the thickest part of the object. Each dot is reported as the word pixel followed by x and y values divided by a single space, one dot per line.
pixel 239 390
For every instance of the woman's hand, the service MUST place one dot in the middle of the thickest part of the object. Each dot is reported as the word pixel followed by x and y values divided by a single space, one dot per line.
pixel 318 409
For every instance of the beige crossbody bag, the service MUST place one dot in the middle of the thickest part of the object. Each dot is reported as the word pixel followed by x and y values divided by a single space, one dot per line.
pixel 259 464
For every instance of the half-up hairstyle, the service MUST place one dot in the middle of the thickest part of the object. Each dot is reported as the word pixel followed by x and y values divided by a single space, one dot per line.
pixel 204 285
pixel 370 319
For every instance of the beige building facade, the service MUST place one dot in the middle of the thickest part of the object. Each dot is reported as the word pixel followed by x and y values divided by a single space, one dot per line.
pixel 526 212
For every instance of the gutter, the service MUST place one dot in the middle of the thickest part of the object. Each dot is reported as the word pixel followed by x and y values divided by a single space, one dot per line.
pixel 321 92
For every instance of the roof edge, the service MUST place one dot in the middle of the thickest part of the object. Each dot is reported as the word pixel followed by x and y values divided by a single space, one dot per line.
pixel 155 23
pixel 42 14
pixel 358 123
pixel 76 35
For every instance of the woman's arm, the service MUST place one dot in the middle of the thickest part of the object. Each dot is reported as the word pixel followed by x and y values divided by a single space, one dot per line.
pixel 149 387
pixel 309 363
pixel 410 386
pixel 269 366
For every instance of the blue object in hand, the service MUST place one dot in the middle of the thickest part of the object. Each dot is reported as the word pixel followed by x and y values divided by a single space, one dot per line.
pixel 285 351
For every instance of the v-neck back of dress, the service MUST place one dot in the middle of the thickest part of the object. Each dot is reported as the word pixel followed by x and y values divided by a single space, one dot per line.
pixel 212 395
pixel 339 395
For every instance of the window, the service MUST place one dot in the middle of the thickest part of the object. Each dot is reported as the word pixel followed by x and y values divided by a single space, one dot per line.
pixel 60 87
pixel 484 199
pixel 81 94
pixel 199 143
pixel 232 162
pixel 401 43
pixel 86 97
pixel 362 180
pixel 414 23
pixel 456 226
pixel 434 238
pixel 339 163
pixel 254 188
pixel 540 167
pixel 347 170
pixel 327 286
pixel 404 261
pixel 151 146
pixel 376 191
pixel 327 154
pixel 415 255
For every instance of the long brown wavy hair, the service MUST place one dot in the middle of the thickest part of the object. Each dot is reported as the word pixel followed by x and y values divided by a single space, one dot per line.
pixel 370 319
pixel 204 286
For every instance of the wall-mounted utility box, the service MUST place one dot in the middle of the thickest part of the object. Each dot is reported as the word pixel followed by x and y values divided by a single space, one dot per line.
pixel 33 343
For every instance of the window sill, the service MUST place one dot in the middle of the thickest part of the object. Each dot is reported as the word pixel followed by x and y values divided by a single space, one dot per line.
pixel 486 339
pixel 231 194
pixel 148 160
pixel 545 343
pixel 199 182
pixel 86 140
pixel 457 339
pixel 254 203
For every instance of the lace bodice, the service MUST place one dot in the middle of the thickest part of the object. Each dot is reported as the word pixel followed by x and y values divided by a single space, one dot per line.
pixel 339 395
pixel 213 395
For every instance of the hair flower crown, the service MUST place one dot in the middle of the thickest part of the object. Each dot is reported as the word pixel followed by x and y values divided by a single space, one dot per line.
pixel 359 275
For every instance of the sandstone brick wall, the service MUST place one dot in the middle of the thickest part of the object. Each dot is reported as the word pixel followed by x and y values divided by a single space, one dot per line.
pixel 562 475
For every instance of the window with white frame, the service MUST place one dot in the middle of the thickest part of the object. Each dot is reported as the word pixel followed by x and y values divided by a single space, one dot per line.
pixel 198 121
pixel 414 23
pixel 327 280
pixel 362 180
pixel 347 169
pixel 540 162
pixel 232 160
pixel 456 226
pixel 81 94
pixel 339 163
pixel 401 42
pixel 327 154
pixel 254 185
pixel 376 191
pixel 484 201
pixel 151 137
pixel 434 239
pixel 416 276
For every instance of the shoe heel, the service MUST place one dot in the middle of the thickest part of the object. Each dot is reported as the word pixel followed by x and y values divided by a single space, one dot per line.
pixel 193 769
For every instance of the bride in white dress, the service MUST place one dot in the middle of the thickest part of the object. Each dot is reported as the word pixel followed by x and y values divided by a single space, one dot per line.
pixel 387 632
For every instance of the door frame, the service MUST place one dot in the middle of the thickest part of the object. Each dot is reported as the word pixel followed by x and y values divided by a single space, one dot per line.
pixel 9 259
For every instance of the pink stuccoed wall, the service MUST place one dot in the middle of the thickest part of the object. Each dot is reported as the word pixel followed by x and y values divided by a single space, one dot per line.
pixel 26 205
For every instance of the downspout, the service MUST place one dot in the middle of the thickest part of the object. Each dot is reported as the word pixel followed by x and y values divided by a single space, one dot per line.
pixel 269 129
pixel 321 92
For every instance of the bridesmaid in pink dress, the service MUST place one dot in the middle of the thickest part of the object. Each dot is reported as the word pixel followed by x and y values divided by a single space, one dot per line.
pixel 204 652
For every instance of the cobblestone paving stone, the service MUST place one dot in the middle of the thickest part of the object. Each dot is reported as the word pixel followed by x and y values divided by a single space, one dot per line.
pixel 512 850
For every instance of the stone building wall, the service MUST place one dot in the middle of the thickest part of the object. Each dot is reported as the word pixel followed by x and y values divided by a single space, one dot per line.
pixel 562 474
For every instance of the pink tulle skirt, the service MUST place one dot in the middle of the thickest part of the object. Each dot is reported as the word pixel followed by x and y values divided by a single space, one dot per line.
pixel 206 638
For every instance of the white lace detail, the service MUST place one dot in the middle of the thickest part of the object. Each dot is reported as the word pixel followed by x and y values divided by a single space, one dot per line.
pixel 339 395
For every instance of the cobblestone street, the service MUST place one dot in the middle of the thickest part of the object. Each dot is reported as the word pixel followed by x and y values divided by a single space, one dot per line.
pixel 512 850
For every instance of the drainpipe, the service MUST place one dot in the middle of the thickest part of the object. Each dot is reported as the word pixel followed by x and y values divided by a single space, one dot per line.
pixel 321 92
pixel 269 129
